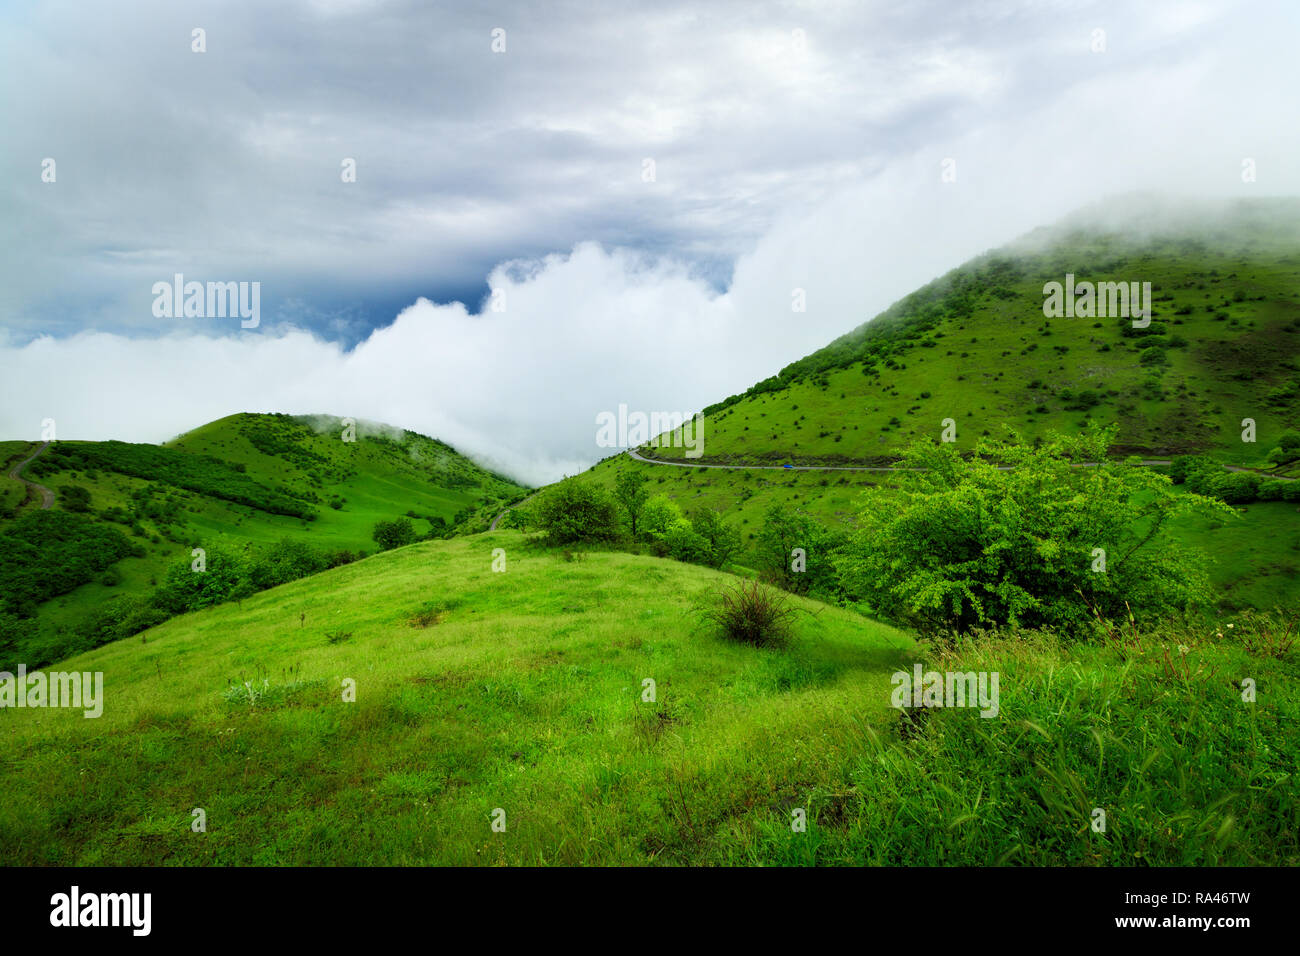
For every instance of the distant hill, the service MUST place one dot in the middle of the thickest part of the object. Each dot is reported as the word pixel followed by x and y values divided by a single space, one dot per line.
pixel 974 346
pixel 244 483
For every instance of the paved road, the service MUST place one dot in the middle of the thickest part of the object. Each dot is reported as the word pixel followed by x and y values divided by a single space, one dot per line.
pixel 686 464
pixel 47 496
pixel 1147 462
pixel 507 510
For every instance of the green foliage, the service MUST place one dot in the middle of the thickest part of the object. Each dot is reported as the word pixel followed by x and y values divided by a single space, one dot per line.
pixel 683 543
pixel 47 553
pixel 631 494
pixel 721 540
pixel 120 617
pixel 74 498
pixel 658 516
pixel 784 531
pixel 394 534
pixel 574 511
pixel 287 560
pixel 203 474
pixel 967 543
pixel 225 577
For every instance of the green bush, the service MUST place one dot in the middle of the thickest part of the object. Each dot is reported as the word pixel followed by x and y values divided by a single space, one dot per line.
pixel 393 534
pixel 965 544
pixel 225 577
pixel 573 511
pixel 750 612
pixel 783 532
pixel 286 561
pixel 74 498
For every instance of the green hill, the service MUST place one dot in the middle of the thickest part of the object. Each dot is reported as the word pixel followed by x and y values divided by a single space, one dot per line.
pixel 525 692
pixel 245 483
pixel 1223 344
pixel 972 350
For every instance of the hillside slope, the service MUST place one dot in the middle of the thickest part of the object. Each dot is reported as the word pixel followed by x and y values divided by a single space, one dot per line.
pixel 523 698
pixel 242 483
pixel 974 346
pixel 474 690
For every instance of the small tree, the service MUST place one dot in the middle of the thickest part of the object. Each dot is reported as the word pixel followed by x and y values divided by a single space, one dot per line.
pixel 783 532
pixel 631 493
pixel 394 534
pixel 723 540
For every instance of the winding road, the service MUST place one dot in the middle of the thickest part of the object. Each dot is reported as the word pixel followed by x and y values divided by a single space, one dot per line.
pixel 506 511
pixel 1145 462
pixel 47 496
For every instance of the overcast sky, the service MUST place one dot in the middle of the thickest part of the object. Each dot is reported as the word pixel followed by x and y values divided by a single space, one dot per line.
pixel 794 146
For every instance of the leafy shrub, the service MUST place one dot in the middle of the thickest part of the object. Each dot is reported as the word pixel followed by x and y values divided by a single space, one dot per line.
pixel 225 577
pixel 658 516
pixel 393 534
pixel 965 544
pixel 74 498
pixel 573 511
pixel 683 543
pixel 284 562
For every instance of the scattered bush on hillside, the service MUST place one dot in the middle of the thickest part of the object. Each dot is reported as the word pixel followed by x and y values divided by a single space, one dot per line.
pixel 1287 449
pixel 199 473
pixel 752 613
pixel 47 553
pixel 964 544
pixel 74 498
pixel 574 511
pixel 286 561
pixel 1211 479
pixel 393 534
pixel 225 577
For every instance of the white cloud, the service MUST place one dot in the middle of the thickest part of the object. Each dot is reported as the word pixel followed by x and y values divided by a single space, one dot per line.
pixel 599 326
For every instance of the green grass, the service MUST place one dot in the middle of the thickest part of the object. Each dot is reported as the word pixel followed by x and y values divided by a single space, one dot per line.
pixel 382 475
pixel 523 691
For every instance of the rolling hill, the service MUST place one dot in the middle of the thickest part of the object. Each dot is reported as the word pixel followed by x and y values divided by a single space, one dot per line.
pixel 243 483
pixel 973 351
pixel 522 698
pixel 1223 344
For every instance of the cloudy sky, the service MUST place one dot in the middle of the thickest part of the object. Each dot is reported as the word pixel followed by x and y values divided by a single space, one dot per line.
pixel 642 186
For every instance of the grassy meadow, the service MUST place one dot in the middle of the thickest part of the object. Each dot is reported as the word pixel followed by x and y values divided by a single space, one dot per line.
pixel 522 690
